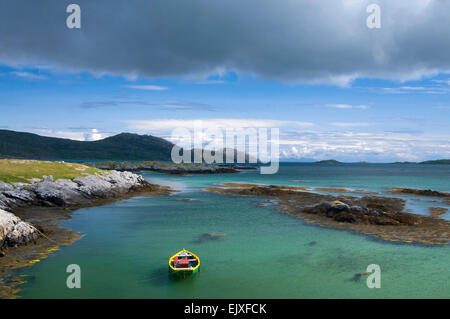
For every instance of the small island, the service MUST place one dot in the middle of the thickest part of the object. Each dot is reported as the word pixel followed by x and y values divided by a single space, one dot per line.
pixel 330 161
pixel 377 216
pixel 442 161
pixel 432 162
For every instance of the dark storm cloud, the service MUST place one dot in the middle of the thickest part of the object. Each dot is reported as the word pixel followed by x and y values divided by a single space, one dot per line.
pixel 293 41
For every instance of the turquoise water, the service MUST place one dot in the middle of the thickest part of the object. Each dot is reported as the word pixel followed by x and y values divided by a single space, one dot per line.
pixel 265 254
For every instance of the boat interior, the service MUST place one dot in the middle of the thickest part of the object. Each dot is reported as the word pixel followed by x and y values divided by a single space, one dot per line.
pixel 184 261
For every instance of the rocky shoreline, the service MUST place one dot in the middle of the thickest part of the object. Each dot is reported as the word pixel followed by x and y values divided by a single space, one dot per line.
pixel 380 217
pixel 80 191
pixel 171 168
pixel 44 203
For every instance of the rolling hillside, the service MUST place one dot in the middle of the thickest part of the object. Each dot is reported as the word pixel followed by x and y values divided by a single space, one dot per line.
pixel 124 146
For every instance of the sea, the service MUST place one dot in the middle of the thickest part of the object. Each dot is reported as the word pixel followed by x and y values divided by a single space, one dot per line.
pixel 264 253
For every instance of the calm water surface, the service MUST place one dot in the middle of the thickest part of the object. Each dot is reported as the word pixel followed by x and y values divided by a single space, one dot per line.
pixel 265 254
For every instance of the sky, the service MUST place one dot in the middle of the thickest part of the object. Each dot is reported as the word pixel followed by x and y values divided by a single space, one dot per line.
pixel 334 88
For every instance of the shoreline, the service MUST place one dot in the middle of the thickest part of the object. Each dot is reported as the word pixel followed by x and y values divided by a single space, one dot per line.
pixel 48 217
pixel 30 212
pixel 171 168
pixel 376 216
pixel 30 216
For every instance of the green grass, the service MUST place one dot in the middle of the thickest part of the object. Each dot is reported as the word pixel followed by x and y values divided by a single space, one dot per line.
pixel 16 170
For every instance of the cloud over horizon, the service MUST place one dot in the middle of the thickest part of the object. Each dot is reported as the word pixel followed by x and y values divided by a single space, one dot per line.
pixel 77 134
pixel 300 140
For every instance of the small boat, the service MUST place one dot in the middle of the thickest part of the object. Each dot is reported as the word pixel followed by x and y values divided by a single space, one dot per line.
pixel 184 263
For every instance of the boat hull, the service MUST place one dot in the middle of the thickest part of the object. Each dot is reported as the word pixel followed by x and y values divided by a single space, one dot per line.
pixel 183 273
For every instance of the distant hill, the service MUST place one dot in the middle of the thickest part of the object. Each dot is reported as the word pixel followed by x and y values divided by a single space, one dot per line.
pixel 330 161
pixel 441 161
pixel 124 146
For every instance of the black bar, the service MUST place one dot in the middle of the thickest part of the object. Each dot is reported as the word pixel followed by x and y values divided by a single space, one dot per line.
pixel 227 308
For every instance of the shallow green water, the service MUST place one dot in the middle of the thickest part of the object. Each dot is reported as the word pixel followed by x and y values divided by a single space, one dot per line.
pixel 265 254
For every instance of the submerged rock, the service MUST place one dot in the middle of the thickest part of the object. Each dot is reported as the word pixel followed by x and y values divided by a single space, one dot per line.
pixel 208 236
pixel 357 277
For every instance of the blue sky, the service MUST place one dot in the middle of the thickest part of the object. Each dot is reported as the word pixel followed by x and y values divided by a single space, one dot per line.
pixel 334 87
pixel 376 120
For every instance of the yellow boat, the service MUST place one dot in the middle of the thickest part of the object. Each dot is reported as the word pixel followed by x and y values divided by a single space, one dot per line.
pixel 184 263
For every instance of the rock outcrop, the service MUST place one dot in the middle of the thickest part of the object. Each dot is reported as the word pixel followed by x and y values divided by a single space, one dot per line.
pixel 62 193
pixel 345 213
pixel 420 192
pixel 14 231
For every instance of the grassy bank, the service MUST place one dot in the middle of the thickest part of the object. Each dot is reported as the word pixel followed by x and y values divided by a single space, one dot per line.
pixel 24 171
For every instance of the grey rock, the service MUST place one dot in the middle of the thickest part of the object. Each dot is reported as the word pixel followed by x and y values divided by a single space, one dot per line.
pixel 61 193
pixel 20 194
pixel 6 202
pixel 48 178
pixel 67 183
pixel 34 180
pixel 93 186
pixel 57 194
pixel 5 187
pixel 18 185
pixel 340 207
pixel 14 231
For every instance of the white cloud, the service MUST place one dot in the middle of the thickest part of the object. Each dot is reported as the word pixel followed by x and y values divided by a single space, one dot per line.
pixel 211 82
pixel 29 76
pixel 80 135
pixel 297 140
pixel 147 87
pixel 413 88
pixel 351 146
pixel 347 106
pixel 93 135
pixel 416 90
pixel 351 124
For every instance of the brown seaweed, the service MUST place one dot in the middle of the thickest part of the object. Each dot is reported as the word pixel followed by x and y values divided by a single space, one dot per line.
pixel 377 216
